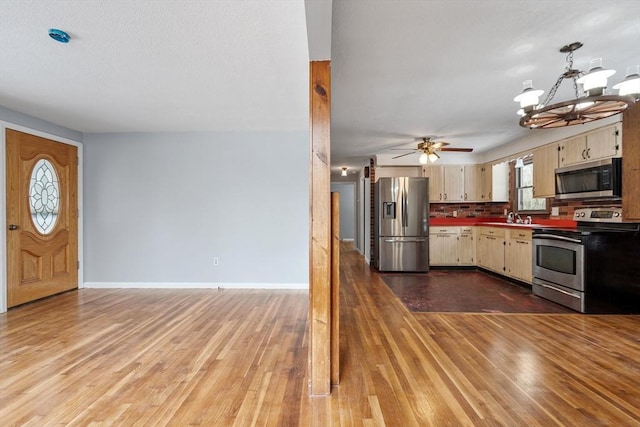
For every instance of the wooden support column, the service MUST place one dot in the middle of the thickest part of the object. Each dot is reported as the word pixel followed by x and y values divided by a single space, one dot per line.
pixel 335 288
pixel 320 229
pixel 631 163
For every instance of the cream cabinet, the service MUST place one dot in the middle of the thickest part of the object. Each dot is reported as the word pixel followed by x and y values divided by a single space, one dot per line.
pixel 518 255
pixel 500 182
pixel 452 246
pixel 446 183
pixel 487 180
pixel 599 144
pixel 545 161
pixel 443 245
pixel 467 246
pixel 473 183
pixel 491 248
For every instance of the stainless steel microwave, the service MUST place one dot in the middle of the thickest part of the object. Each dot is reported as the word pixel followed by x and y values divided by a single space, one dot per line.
pixel 599 179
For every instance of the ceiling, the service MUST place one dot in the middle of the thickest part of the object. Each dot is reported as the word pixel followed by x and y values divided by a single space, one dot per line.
pixel 401 70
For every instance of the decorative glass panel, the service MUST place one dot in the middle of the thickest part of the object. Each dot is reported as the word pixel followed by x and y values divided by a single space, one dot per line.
pixel 44 196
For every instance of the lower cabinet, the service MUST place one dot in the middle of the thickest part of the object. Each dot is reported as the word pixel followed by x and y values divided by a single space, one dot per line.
pixel 518 255
pixel 502 250
pixel 443 245
pixel 491 248
pixel 451 246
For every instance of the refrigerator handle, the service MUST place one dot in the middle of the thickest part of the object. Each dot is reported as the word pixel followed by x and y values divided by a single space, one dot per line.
pixel 405 215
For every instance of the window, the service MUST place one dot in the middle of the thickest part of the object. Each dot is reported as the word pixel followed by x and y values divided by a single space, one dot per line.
pixel 524 190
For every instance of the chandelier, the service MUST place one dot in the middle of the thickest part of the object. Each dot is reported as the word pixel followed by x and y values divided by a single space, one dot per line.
pixel 596 104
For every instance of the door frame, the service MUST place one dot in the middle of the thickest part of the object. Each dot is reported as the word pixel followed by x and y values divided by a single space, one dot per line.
pixel 3 201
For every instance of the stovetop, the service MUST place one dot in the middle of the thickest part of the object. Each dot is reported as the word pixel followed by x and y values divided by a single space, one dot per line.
pixel 595 221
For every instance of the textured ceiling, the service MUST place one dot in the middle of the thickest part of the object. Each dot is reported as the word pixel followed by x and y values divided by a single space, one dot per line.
pixel 400 69
pixel 157 65
pixel 450 69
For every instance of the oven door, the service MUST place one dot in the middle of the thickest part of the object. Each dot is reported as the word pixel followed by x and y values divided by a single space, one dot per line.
pixel 559 260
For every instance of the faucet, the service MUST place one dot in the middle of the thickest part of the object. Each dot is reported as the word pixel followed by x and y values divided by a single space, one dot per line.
pixel 518 219
pixel 510 218
pixel 529 220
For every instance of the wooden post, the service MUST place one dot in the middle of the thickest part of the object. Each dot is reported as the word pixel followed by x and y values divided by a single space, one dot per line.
pixel 320 229
pixel 335 288
pixel 631 163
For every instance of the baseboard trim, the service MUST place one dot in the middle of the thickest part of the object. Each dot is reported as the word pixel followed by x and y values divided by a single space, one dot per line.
pixel 194 285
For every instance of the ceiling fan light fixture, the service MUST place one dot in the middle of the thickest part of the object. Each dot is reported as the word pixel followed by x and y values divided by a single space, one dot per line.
pixel 595 105
pixel 433 157
pixel 424 158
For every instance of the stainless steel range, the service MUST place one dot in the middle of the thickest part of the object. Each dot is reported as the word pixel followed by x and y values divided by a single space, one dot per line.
pixel 593 268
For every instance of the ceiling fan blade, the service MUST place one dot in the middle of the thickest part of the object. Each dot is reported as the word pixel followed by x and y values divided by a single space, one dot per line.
pixel 461 150
pixel 438 145
pixel 402 155
pixel 404 149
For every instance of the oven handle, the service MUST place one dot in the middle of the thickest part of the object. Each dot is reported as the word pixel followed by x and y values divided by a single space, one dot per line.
pixel 555 237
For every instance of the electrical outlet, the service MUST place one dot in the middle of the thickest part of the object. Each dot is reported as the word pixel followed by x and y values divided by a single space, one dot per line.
pixel 555 211
pixel 455 214
pixel 216 261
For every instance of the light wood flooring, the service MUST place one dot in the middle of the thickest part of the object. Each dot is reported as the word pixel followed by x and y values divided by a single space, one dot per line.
pixel 223 358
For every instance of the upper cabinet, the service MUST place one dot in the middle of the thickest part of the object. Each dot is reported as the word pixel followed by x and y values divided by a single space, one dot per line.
pixel 500 182
pixel 446 183
pixel 487 182
pixel 599 144
pixel 468 183
pixel 545 161
pixel 473 188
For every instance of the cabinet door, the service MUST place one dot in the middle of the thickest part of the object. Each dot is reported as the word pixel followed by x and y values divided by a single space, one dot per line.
pixel 453 183
pixel 518 260
pixel 466 248
pixel 436 182
pixel 482 250
pixel 545 160
pixel 573 150
pixel 487 182
pixel 473 183
pixel 603 143
pixel 443 248
pixel 500 182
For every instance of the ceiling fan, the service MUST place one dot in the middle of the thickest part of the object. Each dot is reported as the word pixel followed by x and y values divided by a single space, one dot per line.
pixel 429 150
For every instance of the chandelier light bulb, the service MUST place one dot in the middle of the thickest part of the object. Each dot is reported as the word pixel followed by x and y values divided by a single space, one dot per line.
pixel 631 83
pixel 433 157
pixel 595 81
pixel 529 97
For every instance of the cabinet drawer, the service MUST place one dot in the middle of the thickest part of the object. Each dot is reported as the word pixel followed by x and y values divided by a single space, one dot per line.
pixel 492 231
pixel 443 230
pixel 520 234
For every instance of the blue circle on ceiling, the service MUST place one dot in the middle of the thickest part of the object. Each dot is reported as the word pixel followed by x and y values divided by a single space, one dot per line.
pixel 59 35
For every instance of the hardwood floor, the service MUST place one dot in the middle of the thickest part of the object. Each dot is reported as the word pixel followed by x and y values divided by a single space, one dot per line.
pixel 218 358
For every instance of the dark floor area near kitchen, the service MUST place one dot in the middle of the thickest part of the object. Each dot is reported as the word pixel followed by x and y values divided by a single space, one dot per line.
pixel 465 291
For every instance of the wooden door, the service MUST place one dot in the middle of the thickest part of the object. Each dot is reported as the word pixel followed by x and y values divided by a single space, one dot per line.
pixel 42 217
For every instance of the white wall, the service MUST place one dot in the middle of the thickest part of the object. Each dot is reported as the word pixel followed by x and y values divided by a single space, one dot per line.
pixel 347 192
pixel 160 207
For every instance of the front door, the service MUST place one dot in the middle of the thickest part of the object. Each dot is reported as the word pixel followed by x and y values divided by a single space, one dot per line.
pixel 42 217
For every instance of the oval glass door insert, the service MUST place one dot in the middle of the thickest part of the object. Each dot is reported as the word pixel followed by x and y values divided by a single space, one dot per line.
pixel 44 196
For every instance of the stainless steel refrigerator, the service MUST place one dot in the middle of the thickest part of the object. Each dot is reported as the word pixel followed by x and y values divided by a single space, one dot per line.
pixel 401 224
